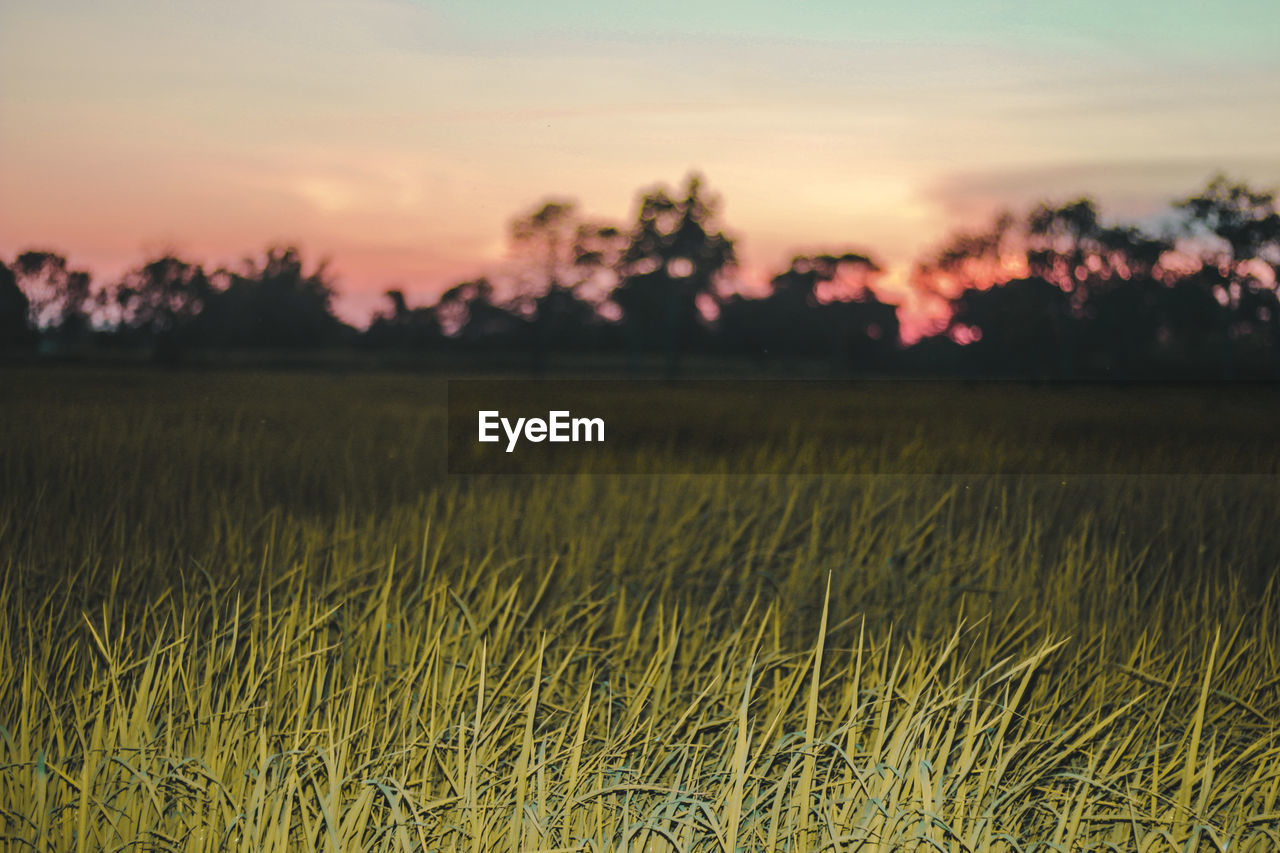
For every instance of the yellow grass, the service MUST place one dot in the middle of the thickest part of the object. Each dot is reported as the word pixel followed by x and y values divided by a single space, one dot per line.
pixel 250 613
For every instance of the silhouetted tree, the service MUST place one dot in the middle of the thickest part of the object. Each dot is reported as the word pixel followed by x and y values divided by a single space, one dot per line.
pixel 563 256
pixel 399 307
pixel 1112 274
pixel 272 303
pixel 1057 292
pixel 158 302
pixel 403 327
pixel 1189 330
pixel 545 235
pixel 821 307
pixel 14 308
pixel 59 298
pixel 598 249
pixel 970 260
pixel 674 254
pixel 1070 247
pixel 1235 232
pixel 1065 245
pixel 1245 220
pixel 1019 328
pixel 162 295
pixel 974 260
pixel 1060 293
pixel 563 320
pixel 470 315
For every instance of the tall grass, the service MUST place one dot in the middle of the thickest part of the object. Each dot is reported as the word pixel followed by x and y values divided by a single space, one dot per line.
pixel 250 613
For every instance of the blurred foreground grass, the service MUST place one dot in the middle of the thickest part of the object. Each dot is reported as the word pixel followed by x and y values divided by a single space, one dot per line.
pixel 250 612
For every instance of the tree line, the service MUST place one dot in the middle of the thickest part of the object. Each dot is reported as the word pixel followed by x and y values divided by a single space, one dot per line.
pixel 1054 292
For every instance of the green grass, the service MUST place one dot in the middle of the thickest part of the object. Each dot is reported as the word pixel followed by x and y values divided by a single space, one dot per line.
pixel 250 612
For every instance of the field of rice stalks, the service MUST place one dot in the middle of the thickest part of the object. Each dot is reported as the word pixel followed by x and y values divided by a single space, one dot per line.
pixel 251 612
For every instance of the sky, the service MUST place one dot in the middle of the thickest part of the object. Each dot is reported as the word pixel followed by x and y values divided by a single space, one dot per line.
pixel 398 138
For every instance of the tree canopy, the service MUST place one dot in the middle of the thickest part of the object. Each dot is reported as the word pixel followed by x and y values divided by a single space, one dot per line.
pixel 1058 291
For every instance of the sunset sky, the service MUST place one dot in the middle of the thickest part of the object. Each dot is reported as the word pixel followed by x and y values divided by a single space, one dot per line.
pixel 399 138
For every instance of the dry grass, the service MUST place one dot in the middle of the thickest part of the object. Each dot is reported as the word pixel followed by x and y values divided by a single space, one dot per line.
pixel 248 613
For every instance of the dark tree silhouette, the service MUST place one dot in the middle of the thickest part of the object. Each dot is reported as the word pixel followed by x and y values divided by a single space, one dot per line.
pixel 1058 292
pixel 403 327
pixel 162 295
pixel 271 303
pixel 1065 245
pixel 1235 232
pixel 821 307
pixel 674 255
pixel 1070 247
pixel 598 249
pixel 545 237
pixel 399 307
pixel 974 259
pixel 1019 328
pixel 60 299
pixel 978 278
pixel 1245 220
pixel 563 257
pixel 15 330
pixel 1064 294
pixel 158 301
pixel 470 315
pixel 1111 273
pixel 967 260
pixel 1189 330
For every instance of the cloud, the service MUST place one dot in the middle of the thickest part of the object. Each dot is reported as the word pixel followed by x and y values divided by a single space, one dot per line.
pixel 1127 189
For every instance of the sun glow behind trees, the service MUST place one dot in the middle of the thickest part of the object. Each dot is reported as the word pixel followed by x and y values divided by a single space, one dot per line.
pixel 1061 290
pixel 396 137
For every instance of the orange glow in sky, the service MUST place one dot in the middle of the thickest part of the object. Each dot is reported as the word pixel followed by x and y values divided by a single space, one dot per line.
pixel 399 138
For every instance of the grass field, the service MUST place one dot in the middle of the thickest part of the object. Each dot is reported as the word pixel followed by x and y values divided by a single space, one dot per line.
pixel 251 612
